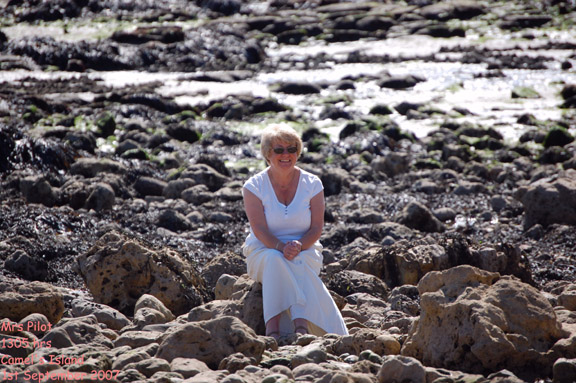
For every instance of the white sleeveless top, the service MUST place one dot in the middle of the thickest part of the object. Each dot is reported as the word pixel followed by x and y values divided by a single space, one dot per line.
pixel 286 222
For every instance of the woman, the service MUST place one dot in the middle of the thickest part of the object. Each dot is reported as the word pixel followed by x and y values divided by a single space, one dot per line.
pixel 285 208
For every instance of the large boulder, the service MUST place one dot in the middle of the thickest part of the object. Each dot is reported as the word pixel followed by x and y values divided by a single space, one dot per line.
pixel 482 322
pixel 211 341
pixel 18 299
pixel 118 270
pixel 548 201
pixel 404 262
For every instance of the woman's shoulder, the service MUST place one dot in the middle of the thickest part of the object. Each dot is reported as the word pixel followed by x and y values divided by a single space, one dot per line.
pixel 305 174
pixel 310 179
pixel 257 178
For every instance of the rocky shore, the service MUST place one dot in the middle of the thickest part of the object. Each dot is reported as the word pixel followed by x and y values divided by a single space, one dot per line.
pixel 450 253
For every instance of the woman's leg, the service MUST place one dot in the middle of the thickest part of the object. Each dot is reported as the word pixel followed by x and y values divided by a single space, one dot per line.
pixel 273 327
pixel 301 326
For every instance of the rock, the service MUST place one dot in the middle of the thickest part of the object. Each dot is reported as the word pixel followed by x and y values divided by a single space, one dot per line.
pixel 236 362
pixel 564 370
pixel 36 189
pixel 211 341
pixel 136 339
pixel 405 299
pixel 151 302
pixel 224 287
pixel 106 315
pixel 460 9
pixel 400 82
pixel 314 372
pixel 401 369
pixel 334 180
pixel 549 201
pixel 245 303
pixel 101 198
pixel 206 175
pixel 146 186
pixel 232 263
pixel 296 88
pixel 197 195
pixel 401 263
pixel 567 297
pixel 568 91
pixel 377 341
pixel 482 322
pixel 118 270
pixel 29 268
pixel 150 311
pixel 175 188
pixel 524 21
pixel 18 299
pixel 392 164
pixel 90 167
pixel 352 281
pixel 173 220
pixel 558 136
pixel 184 133
pixel 77 331
pixel 141 35
pixel 419 217
pixel 134 356
pixel 365 308
pixel 149 367
pixel 36 324
pixel 188 367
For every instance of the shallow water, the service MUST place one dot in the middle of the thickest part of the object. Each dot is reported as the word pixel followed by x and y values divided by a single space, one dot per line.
pixel 448 85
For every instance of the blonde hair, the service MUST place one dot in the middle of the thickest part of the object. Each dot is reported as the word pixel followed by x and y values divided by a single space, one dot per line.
pixel 275 133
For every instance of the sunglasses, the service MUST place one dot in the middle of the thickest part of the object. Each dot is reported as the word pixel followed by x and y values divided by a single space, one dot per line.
pixel 290 149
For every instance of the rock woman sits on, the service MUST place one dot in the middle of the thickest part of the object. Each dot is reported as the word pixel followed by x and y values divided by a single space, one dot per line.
pixel 285 208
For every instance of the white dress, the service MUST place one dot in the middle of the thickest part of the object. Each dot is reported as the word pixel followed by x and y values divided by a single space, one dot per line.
pixel 291 288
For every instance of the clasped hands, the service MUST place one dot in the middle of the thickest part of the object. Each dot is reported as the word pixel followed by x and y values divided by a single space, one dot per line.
pixel 292 249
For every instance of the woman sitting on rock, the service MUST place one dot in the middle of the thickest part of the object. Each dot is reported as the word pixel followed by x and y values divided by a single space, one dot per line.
pixel 285 208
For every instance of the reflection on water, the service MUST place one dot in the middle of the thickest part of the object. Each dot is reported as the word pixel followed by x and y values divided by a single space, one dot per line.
pixel 448 85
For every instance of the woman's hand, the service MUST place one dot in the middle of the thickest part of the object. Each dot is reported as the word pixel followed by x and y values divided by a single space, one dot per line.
pixel 292 249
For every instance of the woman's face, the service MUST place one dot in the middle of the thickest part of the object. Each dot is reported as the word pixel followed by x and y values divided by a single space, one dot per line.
pixel 283 155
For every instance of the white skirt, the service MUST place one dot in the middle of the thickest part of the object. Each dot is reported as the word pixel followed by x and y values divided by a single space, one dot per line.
pixel 294 289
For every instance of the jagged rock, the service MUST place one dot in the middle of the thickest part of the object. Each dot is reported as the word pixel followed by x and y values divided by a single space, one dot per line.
pixel 377 341
pixel 118 271
pixel 232 263
pixel 244 303
pixel 18 299
pixel 401 263
pixel 482 322
pixel 211 341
